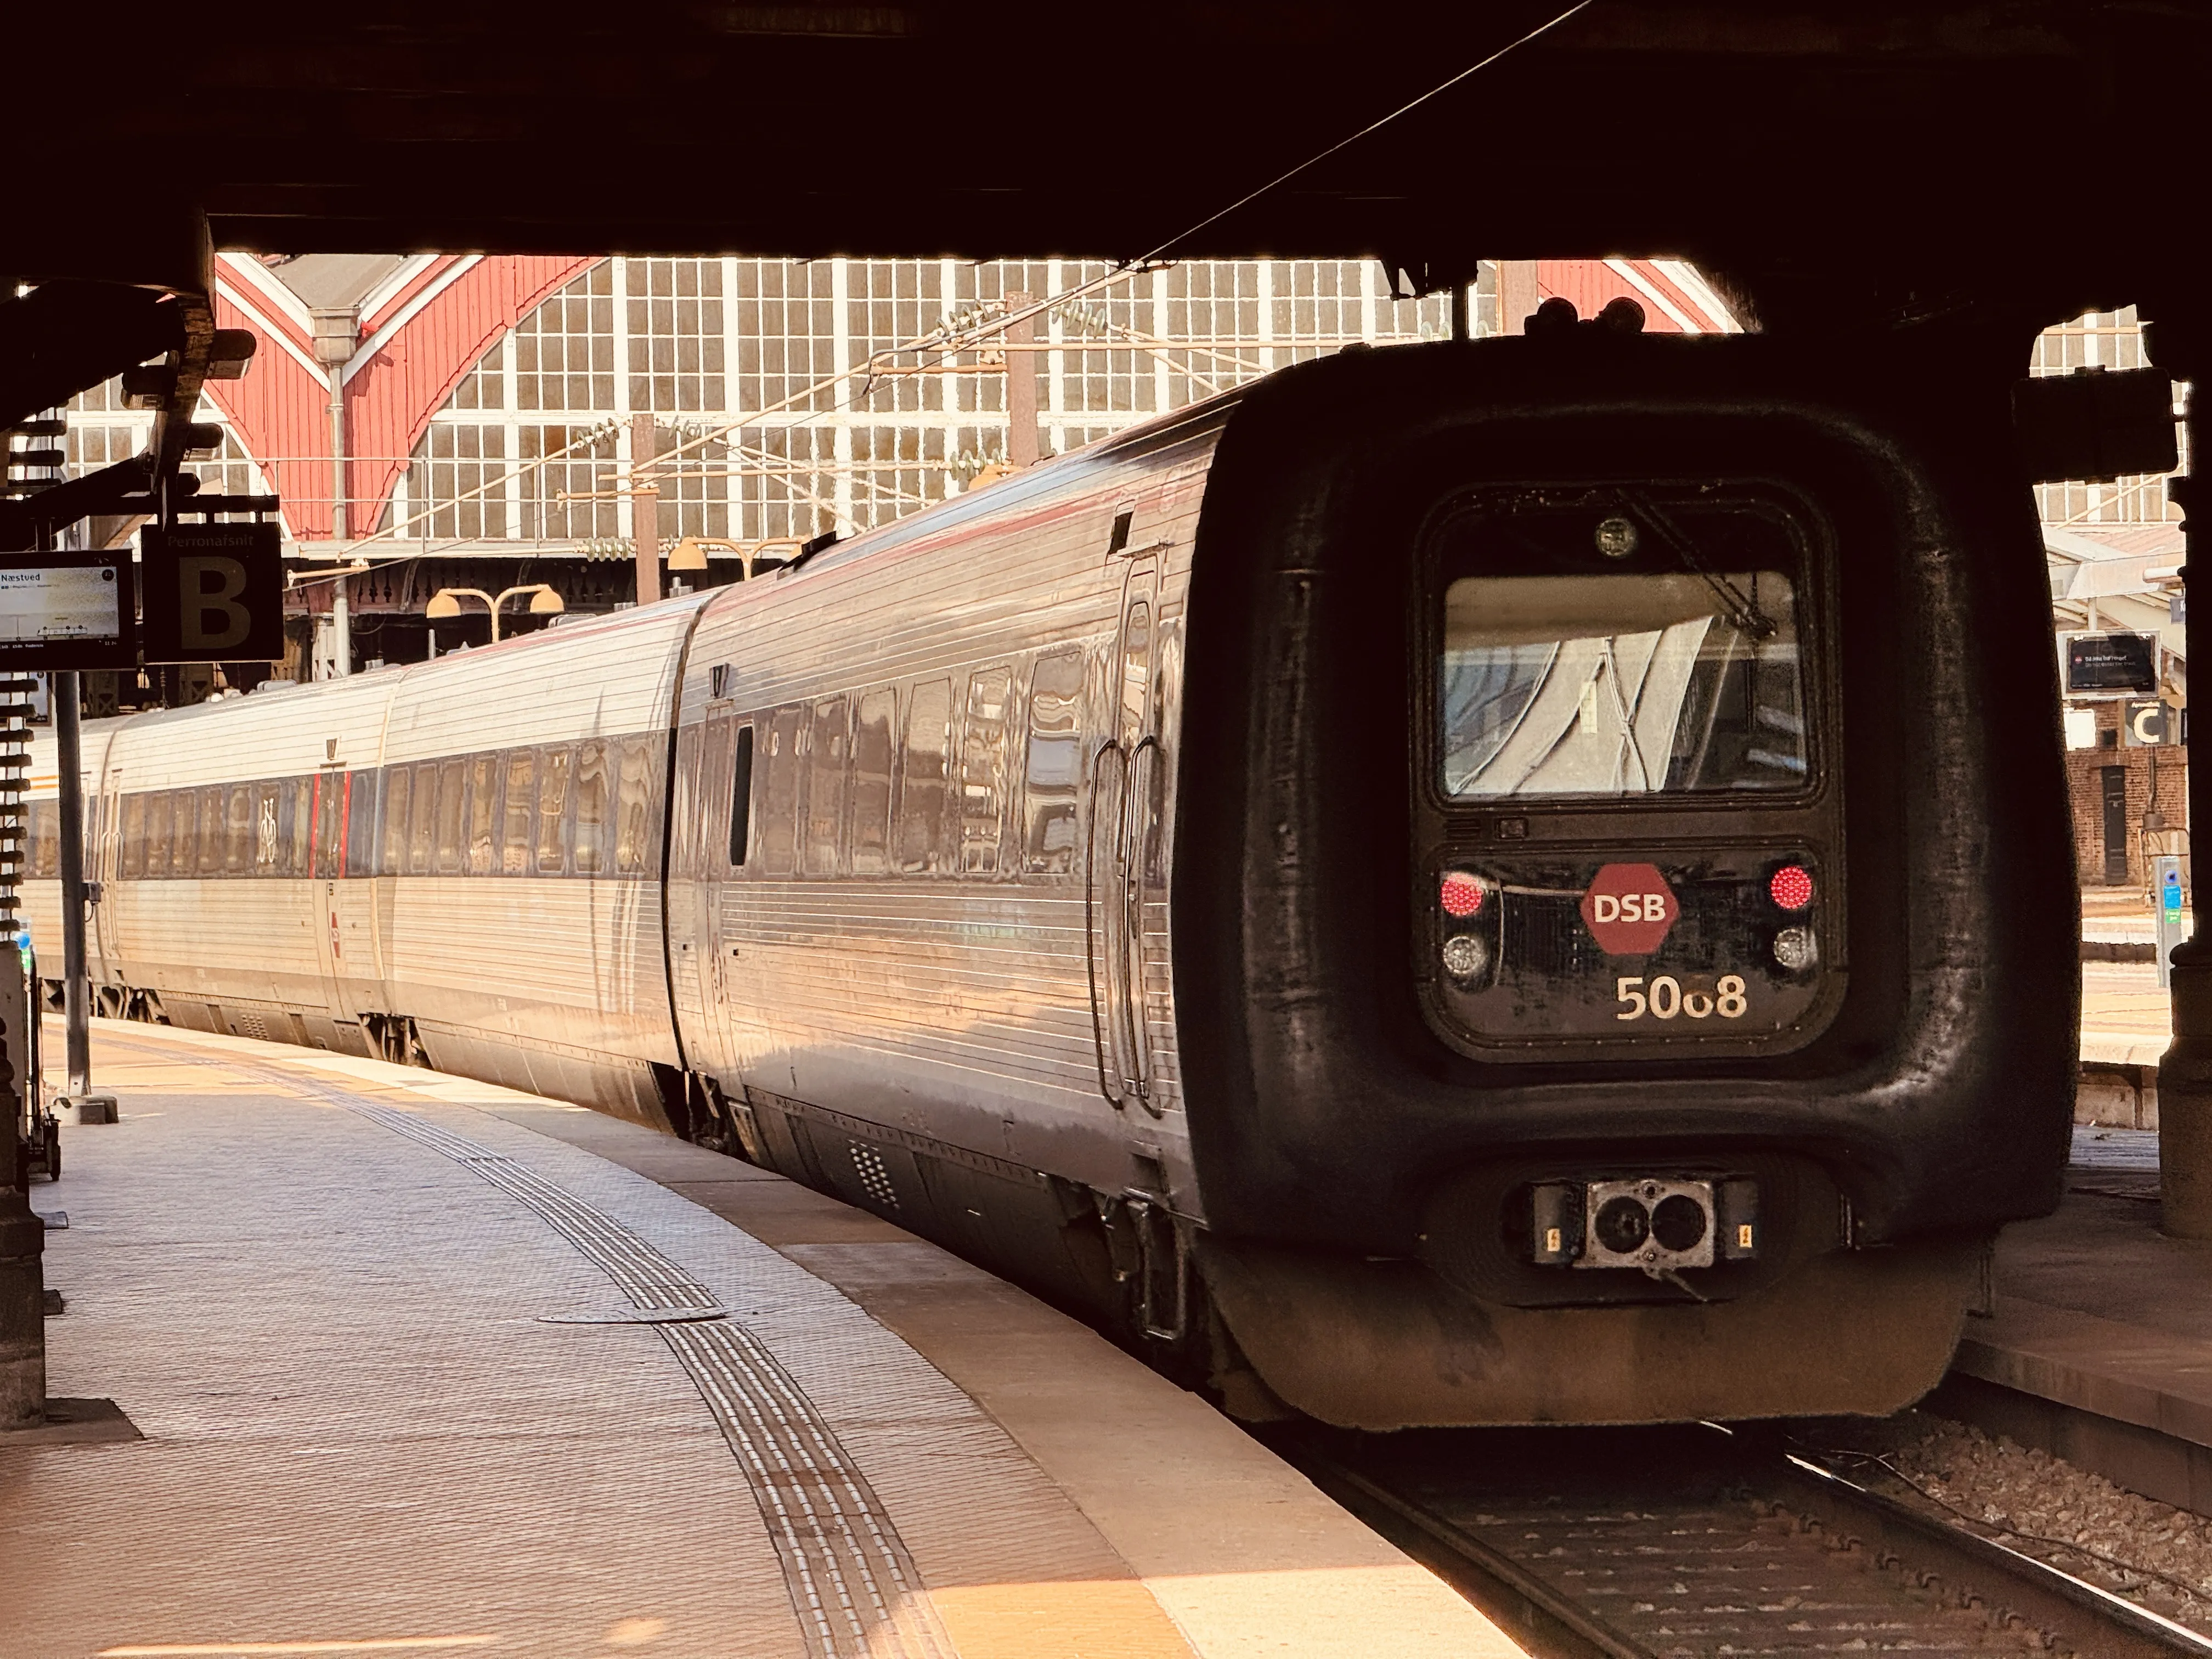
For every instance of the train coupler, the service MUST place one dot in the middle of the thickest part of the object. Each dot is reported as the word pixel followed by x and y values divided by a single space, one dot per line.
pixel 1659 1223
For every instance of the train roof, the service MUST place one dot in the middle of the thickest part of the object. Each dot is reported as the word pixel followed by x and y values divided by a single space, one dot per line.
pixel 537 688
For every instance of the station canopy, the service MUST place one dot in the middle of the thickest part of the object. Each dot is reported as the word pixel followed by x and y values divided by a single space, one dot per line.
pixel 1946 146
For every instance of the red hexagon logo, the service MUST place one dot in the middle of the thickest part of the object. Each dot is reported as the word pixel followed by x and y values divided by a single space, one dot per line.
pixel 1630 909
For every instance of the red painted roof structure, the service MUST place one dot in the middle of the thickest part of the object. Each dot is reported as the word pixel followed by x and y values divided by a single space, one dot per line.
pixel 1674 298
pixel 432 319
pixel 420 333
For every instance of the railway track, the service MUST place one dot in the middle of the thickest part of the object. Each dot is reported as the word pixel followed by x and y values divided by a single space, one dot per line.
pixel 1694 1543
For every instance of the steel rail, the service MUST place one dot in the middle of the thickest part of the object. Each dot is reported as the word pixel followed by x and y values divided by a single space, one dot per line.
pixel 1524 1602
pixel 2063 1613
pixel 2048 1597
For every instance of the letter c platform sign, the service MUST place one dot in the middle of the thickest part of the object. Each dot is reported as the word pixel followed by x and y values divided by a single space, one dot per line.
pixel 213 593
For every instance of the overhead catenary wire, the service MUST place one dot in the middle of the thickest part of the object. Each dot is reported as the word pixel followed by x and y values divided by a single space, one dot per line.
pixel 944 339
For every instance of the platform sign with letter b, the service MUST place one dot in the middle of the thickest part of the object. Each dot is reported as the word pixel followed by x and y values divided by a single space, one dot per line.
pixel 212 593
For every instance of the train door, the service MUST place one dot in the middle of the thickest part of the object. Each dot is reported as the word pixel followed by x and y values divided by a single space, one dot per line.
pixel 1125 778
pixel 341 806
pixel 101 866
pixel 711 861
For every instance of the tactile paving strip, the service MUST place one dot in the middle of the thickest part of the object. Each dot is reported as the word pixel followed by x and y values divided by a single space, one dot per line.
pixel 852 1581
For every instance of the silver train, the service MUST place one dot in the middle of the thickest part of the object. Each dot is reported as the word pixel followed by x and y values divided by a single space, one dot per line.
pixel 1158 877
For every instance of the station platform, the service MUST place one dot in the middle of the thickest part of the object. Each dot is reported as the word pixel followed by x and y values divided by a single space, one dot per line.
pixel 2099 1350
pixel 408 1363
pixel 2127 1025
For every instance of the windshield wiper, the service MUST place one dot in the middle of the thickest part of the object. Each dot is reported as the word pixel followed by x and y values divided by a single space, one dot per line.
pixel 1741 609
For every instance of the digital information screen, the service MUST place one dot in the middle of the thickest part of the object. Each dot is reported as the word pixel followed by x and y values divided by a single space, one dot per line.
pixel 2112 663
pixel 79 613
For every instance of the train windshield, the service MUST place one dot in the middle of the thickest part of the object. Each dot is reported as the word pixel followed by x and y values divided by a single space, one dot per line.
pixel 1605 684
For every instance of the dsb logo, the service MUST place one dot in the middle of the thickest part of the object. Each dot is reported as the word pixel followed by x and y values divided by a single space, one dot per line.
pixel 1628 907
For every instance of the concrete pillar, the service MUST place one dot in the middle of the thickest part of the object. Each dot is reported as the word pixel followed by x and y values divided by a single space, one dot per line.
pixel 1517 298
pixel 336 337
pixel 2178 340
pixel 1021 386
pixel 645 510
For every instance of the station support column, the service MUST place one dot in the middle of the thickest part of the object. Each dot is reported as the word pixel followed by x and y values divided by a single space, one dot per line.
pixel 1021 384
pixel 2184 1076
pixel 644 510
pixel 76 986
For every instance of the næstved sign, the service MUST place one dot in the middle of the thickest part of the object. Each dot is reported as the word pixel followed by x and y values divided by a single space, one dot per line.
pixel 67 611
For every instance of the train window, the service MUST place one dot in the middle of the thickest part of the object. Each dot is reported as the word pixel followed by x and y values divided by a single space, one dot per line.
pixel 741 796
pixel 238 831
pixel 134 835
pixel 983 769
pixel 360 824
pixel 633 801
pixel 552 810
pixel 329 826
pixel 688 840
pixel 184 853
pixel 184 831
pixel 302 795
pixel 481 813
pixel 1053 765
pixel 1136 665
pixel 453 791
pixel 291 817
pixel 871 782
pixel 1620 642
pixel 518 835
pixel 212 814
pixel 47 838
pixel 713 755
pixel 826 757
pixel 779 826
pixel 922 781
pixel 396 795
pixel 590 806
pixel 184 846
pixel 1616 685
pixel 267 849
pixel 160 835
pixel 1167 677
pixel 423 821
pixel 157 835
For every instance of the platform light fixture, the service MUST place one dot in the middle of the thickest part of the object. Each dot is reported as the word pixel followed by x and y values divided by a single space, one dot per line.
pixel 446 603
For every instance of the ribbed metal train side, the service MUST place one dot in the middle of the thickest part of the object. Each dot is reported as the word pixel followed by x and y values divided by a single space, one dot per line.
pixel 320 865
pixel 550 976
pixel 924 1031
pixel 222 952
pixel 41 893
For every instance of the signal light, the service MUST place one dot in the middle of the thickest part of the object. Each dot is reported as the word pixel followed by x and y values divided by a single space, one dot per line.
pixel 1796 949
pixel 1791 887
pixel 1465 955
pixel 1462 893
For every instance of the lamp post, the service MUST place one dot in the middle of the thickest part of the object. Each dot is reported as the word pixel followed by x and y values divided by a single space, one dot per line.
pixel 446 603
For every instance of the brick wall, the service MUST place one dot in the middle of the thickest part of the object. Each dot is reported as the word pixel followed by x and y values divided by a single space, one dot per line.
pixel 2085 782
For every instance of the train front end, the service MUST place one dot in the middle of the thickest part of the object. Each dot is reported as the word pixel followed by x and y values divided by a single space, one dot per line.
pixel 1651 947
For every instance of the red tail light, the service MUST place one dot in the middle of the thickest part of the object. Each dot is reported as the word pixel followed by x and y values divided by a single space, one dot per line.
pixel 1462 893
pixel 1791 887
